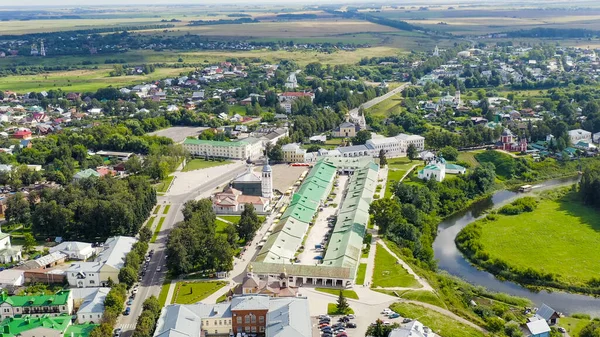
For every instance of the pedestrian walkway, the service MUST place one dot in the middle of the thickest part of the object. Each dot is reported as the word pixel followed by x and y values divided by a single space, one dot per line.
pixel 171 291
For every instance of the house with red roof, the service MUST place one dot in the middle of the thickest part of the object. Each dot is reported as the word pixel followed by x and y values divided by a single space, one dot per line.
pixel 22 134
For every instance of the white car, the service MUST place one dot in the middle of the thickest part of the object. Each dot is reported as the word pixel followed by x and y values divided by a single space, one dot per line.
pixel 158 269
pixel 386 323
pixel 386 311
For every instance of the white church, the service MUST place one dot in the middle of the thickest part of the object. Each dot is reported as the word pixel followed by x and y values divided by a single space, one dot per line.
pixel 437 168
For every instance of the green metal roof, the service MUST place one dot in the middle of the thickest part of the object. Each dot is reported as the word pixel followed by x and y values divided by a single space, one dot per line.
pixel 11 327
pixel 60 298
pixel 79 330
pixel 86 174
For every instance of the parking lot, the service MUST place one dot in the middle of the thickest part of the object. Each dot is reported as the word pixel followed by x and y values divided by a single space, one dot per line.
pixel 359 324
pixel 319 232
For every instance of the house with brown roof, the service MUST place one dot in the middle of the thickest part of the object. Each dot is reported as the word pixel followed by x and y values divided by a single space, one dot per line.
pixel 279 286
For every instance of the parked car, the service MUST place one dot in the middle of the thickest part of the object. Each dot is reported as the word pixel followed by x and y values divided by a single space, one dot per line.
pixel 351 325
pixel 117 332
pixel 351 316
pixel 386 311
pixel 127 311
pixel 158 269
pixel 561 329
pixel 324 317
pixel 130 301
pixel 406 320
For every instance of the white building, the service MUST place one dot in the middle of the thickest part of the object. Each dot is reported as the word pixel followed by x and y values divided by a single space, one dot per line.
pixel 12 277
pixel 106 265
pixel 438 168
pixel 286 99
pixel 293 153
pixel 579 135
pixel 91 309
pixel 395 146
pixel 596 137
pixel 412 329
pixel 74 250
pixel 8 254
pixel 248 148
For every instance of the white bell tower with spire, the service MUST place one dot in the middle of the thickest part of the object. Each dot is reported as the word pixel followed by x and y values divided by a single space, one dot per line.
pixel 267 180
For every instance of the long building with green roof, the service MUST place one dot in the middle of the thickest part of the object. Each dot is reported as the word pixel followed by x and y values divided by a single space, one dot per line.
pixel 343 252
pixel 36 305
pixel 44 325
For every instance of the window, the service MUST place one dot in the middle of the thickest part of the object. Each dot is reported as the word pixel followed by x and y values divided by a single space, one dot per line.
pixel 253 319
pixel 239 320
pixel 262 329
pixel 261 319
pixel 247 319
pixel 207 323
pixel 92 282
pixel 253 329
pixel 247 328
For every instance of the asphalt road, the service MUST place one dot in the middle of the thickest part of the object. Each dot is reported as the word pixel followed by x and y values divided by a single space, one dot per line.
pixel 152 282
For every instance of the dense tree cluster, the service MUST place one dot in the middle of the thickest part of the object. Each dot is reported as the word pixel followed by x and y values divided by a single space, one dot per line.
pixel 89 210
pixel 114 304
pixel 589 186
pixel 410 218
pixel 194 244
pixel 134 259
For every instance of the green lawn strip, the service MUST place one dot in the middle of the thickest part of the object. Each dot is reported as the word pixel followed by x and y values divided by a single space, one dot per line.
pixel 332 310
pixel 157 230
pixel 164 291
pixel 440 324
pixel 573 325
pixel 360 274
pixel 221 225
pixel 192 292
pixel 150 222
pixel 197 164
pixel 347 293
pixel 393 177
pixel 555 238
pixel 231 218
pixel 166 209
pixel 156 209
pixel 422 296
pixel 388 273
pixel 164 184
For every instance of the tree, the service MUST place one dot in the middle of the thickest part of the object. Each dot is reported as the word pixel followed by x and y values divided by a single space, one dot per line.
pixel 382 159
pixel 276 153
pixel 17 209
pixel 449 153
pixel 411 152
pixel 342 303
pixel 361 137
pixel 29 241
pixel 133 164
pixel 248 223
pixel 591 330
pixel 380 330
pixel 128 276
pixel 145 234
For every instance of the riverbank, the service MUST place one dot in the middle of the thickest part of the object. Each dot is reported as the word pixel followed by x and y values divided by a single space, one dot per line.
pixel 548 247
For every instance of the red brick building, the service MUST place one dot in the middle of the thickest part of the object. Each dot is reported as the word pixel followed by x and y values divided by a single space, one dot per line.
pixel 249 314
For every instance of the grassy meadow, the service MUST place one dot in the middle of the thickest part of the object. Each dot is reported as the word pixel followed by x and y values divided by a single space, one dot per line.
pixel 192 292
pixel 389 274
pixel 440 324
pixel 198 164
pixel 558 237
pixel 385 108
pixel 397 168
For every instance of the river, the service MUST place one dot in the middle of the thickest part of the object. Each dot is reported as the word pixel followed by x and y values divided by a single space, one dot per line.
pixel 451 259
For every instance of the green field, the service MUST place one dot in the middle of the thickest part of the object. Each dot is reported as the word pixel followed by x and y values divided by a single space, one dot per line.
pixel 192 292
pixel 573 325
pixel 469 157
pixel 440 324
pixel 558 237
pixel 197 164
pixel 166 209
pixel 156 209
pixel 332 310
pixel 388 273
pixel 397 168
pixel 348 293
pixel 221 225
pixel 360 274
pixel 386 107
pixel 157 230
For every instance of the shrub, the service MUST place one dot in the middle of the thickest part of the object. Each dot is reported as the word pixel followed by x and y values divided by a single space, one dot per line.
pixel 526 204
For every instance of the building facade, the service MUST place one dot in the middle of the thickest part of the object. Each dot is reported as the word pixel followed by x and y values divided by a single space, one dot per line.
pixel 249 148
pixel 37 305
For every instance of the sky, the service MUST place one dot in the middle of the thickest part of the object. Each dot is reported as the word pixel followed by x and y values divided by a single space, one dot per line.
pixel 22 3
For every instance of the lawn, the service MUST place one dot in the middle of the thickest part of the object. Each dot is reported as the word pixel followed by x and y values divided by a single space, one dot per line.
pixel 573 325
pixel 198 164
pixel 388 273
pixel 156 209
pixel 360 274
pixel 332 310
pixel 386 107
pixel 150 222
pixel 192 292
pixel 221 225
pixel 347 293
pixel 164 184
pixel 397 168
pixel 422 296
pixel 440 324
pixel 468 157
pixel 164 291
pixel 157 230
pixel 231 218
pixel 558 237
pixel 166 209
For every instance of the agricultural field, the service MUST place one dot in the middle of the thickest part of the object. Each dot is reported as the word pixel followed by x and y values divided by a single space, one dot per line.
pixel 557 238
pixel 440 324
pixel 80 80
